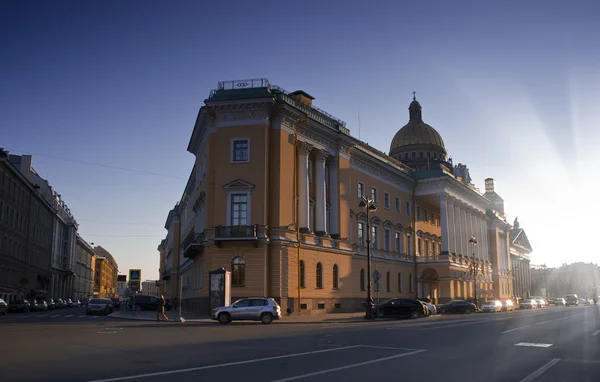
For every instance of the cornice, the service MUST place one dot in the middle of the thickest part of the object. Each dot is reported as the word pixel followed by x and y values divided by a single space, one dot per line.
pixel 365 163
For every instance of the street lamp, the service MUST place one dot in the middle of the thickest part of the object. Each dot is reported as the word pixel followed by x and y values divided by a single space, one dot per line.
pixel 369 206
pixel 473 241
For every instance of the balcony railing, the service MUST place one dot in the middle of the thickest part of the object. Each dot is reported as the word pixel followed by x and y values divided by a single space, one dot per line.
pixel 193 245
pixel 235 233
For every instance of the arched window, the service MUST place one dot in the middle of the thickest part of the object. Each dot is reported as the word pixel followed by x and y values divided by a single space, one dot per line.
pixel 335 277
pixel 388 282
pixel 319 275
pixel 362 279
pixel 302 275
pixel 238 272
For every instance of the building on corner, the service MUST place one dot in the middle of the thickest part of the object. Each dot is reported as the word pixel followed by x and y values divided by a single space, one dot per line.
pixel 26 232
pixel 151 288
pixel 274 197
pixel 85 264
pixel 106 272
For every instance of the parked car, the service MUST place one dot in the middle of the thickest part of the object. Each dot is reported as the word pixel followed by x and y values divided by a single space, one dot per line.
pixel 40 305
pixel 145 302
pixel 528 304
pixel 541 303
pixel 491 306
pixel 51 304
pixel 458 306
pixel 431 309
pixel 402 307
pixel 560 302
pixel 260 309
pixel 19 306
pixel 507 305
pixel 571 300
pixel 98 305
pixel 3 307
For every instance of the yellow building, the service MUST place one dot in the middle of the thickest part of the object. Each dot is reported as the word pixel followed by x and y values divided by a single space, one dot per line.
pixel 105 274
pixel 274 198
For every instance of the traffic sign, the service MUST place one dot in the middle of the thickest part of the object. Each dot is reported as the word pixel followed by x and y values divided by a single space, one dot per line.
pixel 135 275
pixel 377 286
pixel 376 276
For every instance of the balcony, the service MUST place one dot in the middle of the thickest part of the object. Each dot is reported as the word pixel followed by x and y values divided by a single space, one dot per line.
pixel 235 233
pixel 193 245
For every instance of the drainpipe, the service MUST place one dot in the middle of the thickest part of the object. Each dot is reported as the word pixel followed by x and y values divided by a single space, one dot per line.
pixel 296 221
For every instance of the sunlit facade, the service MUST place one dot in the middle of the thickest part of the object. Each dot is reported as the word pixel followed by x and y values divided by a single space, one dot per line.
pixel 105 274
pixel 274 198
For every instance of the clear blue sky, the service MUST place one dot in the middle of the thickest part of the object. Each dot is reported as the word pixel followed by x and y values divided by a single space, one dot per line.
pixel 514 90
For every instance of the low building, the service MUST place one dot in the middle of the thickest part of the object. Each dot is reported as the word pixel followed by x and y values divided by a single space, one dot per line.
pixel 520 257
pixel 85 264
pixel 26 232
pixel 151 288
pixel 105 278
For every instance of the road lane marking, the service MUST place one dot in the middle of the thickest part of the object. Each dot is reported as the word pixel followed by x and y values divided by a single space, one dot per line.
pixel 302 376
pixel 544 322
pixel 513 329
pixel 533 376
pixel 596 333
pixel 70 315
pixel 533 345
pixel 56 315
pixel 81 316
pixel 106 332
pixel 139 376
pixel 386 347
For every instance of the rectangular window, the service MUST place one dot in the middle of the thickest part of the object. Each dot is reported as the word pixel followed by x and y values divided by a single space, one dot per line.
pixel 361 190
pixel 239 209
pixel 426 248
pixel 397 204
pixel 418 212
pixel 240 149
pixel 387 240
pixel 398 242
pixel 361 234
pixel 426 215
pixel 419 247
pixel 438 220
pixel 374 194
pixel 374 236
pixel 386 200
pixel 407 208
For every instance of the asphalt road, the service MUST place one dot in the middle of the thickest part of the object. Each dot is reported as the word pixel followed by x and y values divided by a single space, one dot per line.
pixel 552 344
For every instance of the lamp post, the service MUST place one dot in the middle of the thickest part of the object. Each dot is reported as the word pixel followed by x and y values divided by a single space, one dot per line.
pixel 473 241
pixel 369 206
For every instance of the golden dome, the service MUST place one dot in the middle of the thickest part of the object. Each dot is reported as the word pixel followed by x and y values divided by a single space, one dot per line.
pixel 417 135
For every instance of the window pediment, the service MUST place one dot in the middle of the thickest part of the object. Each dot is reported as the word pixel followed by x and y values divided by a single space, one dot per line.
pixel 239 184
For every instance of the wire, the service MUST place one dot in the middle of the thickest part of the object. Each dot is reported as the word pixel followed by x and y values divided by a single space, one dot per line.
pixel 106 222
pixel 97 164
pixel 110 235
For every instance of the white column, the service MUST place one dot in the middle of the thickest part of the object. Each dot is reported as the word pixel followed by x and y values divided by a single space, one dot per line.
pixel 486 240
pixel 451 227
pixel 320 207
pixel 468 230
pixel 303 205
pixel 334 196
pixel 459 231
pixel 444 222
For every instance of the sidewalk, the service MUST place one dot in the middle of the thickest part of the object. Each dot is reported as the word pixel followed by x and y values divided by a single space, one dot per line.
pixel 325 318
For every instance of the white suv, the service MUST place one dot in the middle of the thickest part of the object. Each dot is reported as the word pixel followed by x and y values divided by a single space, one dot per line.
pixel 260 309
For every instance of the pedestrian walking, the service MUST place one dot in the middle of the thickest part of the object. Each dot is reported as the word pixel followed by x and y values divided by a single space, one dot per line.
pixel 160 309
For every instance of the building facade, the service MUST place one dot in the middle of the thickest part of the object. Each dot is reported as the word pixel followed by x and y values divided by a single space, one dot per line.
pixel 121 285
pixel 64 231
pixel 105 274
pixel 275 197
pixel 151 288
pixel 520 250
pixel 26 229
pixel 85 264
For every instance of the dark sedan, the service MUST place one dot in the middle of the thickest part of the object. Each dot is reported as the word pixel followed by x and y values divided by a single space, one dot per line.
pixel 401 307
pixel 458 306
pixel 19 306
